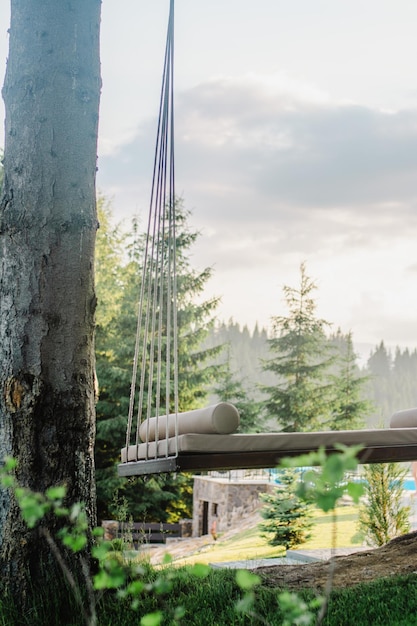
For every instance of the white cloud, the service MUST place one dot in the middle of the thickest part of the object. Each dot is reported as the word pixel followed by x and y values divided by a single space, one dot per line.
pixel 240 151
pixel 275 174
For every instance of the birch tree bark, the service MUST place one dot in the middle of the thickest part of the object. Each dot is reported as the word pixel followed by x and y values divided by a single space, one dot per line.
pixel 47 233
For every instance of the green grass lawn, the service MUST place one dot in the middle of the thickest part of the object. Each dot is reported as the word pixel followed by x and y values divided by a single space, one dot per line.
pixel 212 601
pixel 346 534
pixel 249 544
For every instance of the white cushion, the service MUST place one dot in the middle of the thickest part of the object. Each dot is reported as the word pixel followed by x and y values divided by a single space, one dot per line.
pixel 404 419
pixel 218 419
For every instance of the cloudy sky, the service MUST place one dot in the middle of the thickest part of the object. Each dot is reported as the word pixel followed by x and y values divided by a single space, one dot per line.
pixel 296 140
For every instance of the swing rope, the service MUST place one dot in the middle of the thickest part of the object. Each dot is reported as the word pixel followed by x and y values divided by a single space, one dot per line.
pixel 157 311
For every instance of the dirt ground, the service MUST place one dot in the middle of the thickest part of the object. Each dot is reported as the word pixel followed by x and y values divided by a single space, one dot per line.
pixel 396 558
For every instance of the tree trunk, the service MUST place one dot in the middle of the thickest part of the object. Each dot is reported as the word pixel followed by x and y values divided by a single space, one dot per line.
pixel 47 233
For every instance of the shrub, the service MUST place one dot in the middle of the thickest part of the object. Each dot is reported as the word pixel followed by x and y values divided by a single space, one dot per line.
pixel 288 518
pixel 382 515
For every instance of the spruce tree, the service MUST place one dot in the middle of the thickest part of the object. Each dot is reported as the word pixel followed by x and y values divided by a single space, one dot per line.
pixel 114 274
pixel 287 517
pixel 350 407
pixel 301 399
pixel 232 389
pixel 381 384
pixel 245 352
pixel 404 375
pixel 392 382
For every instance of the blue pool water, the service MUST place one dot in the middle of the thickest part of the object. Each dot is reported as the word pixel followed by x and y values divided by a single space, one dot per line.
pixel 409 484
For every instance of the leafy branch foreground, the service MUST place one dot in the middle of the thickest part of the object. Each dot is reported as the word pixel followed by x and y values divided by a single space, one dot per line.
pixel 131 582
pixel 126 591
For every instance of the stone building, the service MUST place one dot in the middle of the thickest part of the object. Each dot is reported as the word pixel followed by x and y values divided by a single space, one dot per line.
pixel 220 502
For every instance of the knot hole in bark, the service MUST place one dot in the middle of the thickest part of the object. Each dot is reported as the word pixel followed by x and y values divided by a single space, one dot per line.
pixel 15 391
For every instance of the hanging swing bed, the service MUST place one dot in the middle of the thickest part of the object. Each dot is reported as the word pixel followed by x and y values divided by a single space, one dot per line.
pixel 162 439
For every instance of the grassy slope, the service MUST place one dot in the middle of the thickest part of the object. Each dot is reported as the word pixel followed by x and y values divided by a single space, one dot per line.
pixel 250 545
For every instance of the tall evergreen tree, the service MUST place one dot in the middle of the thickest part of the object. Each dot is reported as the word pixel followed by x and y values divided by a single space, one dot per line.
pixel 391 385
pixel 383 516
pixel 381 384
pixel 301 399
pixel 404 376
pixel 380 361
pixel 156 498
pixel 113 353
pixel 244 354
pixel 232 389
pixel 350 408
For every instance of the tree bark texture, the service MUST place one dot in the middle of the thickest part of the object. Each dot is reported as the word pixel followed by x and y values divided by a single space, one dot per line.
pixel 47 233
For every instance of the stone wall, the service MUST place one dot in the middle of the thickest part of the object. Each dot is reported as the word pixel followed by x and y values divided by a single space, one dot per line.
pixel 219 504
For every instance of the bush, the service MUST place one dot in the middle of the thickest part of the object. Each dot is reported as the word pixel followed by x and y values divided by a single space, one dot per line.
pixel 382 515
pixel 288 518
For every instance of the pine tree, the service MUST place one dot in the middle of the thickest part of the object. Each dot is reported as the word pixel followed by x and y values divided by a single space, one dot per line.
pixel 380 384
pixel 113 354
pixel 382 515
pixel 302 396
pixel 392 382
pixel 245 352
pixel 404 375
pixel 231 389
pixel 288 518
pixel 350 408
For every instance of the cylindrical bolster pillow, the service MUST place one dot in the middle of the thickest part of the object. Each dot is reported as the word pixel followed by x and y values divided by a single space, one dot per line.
pixel 219 419
pixel 404 419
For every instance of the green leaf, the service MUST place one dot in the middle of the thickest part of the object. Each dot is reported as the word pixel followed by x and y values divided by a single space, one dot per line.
pixel 179 613
pixel 167 559
pixel 200 570
pixel 76 511
pixel 32 506
pixel 247 580
pixel 61 511
pixel 245 604
pixel 334 468
pixel 162 586
pixel 327 501
pixel 10 464
pixel 75 542
pixel 7 481
pixel 152 619
pixel 355 490
pixel 109 580
pixel 56 493
pixel 101 550
pixel 135 587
